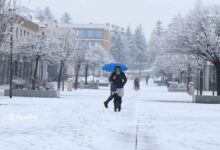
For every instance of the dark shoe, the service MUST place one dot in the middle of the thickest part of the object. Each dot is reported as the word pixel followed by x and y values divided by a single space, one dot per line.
pixel 119 109
pixel 106 104
pixel 115 106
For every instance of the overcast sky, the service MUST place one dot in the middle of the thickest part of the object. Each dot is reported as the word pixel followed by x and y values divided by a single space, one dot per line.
pixel 120 12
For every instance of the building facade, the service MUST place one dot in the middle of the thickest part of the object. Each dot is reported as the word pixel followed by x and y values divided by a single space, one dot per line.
pixel 92 35
pixel 22 66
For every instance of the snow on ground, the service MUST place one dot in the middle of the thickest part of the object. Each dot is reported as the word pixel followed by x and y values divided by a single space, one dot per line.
pixel 79 121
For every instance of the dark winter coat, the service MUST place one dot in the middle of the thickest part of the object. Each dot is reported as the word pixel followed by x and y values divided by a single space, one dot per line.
pixel 136 82
pixel 118 80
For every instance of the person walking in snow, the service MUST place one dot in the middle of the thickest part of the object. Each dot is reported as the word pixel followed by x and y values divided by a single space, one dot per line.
pixel 117 80
pixel 137 84
pixel 147 79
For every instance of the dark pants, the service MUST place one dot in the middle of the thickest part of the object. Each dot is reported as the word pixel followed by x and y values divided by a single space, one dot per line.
pixel 112 94
pixel 117 101
pixel 110 98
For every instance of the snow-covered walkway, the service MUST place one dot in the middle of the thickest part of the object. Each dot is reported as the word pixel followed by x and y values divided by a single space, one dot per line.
pixel 79 121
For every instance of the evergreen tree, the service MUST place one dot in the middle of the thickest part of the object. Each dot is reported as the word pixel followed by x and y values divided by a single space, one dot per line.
pixel 130 47
pixel 40 15
pixel 198 5
pixel 158 29
pixel 141 46
pixel 44 15
pixel 154 45
pixel 128 32
pixel 118 47
pixel 48 14
pixel 66 18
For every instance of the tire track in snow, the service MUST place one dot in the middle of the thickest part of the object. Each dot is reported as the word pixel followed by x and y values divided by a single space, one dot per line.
pixel 136 138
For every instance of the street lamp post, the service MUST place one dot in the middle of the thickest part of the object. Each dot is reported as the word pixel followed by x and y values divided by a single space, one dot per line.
pixel 11 51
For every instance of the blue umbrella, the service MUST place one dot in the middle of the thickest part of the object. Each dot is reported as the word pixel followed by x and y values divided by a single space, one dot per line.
pixel 111 67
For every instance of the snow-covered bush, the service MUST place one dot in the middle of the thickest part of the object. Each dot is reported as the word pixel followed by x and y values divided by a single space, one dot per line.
pixel 177 85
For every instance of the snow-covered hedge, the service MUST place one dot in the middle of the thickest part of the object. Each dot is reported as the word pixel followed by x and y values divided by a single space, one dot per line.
pixel 176 85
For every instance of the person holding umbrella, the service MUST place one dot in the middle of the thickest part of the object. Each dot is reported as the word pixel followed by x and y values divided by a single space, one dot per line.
pixel 117 80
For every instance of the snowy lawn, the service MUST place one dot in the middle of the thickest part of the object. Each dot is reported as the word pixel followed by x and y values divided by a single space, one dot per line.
pixel 79 121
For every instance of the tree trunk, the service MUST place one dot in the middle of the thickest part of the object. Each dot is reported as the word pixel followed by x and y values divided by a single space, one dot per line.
pixel 86 73
pixel 188 80
pixel 60 75
pixel 217 68
pixel 3 72
pixel 201 82
pixel 93 76
pixel 197 81
pixel 77 76
pixel 181 77
pixel 213 81
pixel 188 77
pixel 63 78
pixel 34 79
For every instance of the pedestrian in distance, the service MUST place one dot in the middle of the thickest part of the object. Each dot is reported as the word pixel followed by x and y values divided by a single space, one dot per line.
pixel 136 84
pixel 147 79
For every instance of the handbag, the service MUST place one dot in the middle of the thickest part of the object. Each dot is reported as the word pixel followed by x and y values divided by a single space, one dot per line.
pixel 113 88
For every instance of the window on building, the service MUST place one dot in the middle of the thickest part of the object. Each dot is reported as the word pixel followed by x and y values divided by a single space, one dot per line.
pixel 90 34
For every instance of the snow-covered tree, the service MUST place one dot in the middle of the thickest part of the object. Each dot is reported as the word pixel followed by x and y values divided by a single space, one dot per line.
pixel 154 45
pixel 48 14
pixel 118 50
pixel 158 30
pixel 40 15
pixel 170 60
pixel 197 35
pixel 7 19
pixel 78 58
pixel 66 18
pixel 154 48
pixel 165 65
pixel 95 57
pixel 64 45
pixel 201 36
pixel 141 46
pixel 4 20
pixel 172 35
pixel 36 49
pixel 130 46
pixel 177 65
pixel 44 15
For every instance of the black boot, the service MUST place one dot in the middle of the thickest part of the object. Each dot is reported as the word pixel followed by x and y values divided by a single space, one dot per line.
pixel 106 104
pixel 119 104
pixel 108 100
pixel 115 106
